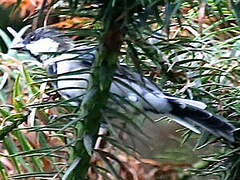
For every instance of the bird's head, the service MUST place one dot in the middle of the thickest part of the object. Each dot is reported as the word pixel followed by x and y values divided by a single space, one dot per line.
pixel 44 41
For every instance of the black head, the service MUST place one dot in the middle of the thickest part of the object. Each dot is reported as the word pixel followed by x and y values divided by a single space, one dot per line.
pixel 44 40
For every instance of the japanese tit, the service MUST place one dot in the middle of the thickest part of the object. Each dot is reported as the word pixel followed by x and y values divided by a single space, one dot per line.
pixel 61 57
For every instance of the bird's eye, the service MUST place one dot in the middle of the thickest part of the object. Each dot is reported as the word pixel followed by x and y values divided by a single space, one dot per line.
pixel 32 38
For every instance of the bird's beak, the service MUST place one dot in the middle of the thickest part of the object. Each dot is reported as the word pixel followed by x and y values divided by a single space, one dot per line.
pixel 19 46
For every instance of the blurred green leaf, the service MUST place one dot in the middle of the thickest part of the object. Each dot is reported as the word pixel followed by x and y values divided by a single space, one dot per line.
pixel 69 171
pixel 17 94
pixel 4 113
pixel 34 88
pixel 3 172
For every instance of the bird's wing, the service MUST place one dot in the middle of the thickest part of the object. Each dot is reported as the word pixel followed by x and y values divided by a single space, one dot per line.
pixel 189 113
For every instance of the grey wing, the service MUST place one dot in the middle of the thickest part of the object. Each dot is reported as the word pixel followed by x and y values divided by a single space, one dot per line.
pixel 186 112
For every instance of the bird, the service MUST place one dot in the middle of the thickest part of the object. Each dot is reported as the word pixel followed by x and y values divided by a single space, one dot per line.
pixel 70 62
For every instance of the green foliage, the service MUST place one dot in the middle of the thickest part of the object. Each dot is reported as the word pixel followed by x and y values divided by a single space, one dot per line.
pixel 152 37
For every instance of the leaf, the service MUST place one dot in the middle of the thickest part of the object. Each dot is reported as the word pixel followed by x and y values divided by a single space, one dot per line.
pixel 3 172
pixel 17 120
pixel 68 173
pixel 26 146
pixel 203 141
pixel 88 144
pixel 4 113
pixel 34 175
pixel 11 148
pixel 17 95
pixel 236 6
pixel 33 87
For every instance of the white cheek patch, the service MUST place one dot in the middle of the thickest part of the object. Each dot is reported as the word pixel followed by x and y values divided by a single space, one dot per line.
pixel 42 45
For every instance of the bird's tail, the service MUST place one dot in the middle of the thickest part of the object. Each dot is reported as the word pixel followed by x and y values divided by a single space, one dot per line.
pixel 189 116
